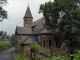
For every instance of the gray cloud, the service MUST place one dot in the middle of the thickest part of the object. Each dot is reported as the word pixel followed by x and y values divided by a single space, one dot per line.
pixel 16 11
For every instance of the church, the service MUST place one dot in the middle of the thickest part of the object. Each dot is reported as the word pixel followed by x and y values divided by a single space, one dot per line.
pixel 33 32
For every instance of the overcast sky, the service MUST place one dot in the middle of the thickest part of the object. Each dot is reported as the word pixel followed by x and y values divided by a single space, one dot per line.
pixel 16 11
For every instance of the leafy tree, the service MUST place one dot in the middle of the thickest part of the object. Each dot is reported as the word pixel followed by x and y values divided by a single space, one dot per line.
pixel 77 56
pixel 1 32
pixel 62 18
pixel 35 48
pixel 13 38
pixel 3 12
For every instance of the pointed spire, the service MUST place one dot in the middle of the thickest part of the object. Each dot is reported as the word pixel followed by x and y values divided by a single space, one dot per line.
pixel 28 13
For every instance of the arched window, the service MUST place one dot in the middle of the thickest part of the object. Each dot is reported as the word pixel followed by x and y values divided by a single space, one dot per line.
pixel 43 42
pixel 50 42
pixel 29 21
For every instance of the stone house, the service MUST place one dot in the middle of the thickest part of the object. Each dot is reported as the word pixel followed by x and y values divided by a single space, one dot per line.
pixel 33 32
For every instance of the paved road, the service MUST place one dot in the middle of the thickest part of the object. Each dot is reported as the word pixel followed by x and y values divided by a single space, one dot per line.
pixel 7 54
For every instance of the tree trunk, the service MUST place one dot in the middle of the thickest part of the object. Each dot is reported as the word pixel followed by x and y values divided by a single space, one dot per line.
pixel 72 51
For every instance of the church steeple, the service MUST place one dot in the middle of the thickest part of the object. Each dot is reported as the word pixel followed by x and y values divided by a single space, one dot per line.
pixel 28 19
pixel 28 13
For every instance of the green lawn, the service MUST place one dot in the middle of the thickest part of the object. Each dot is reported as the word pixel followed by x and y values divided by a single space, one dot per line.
pixel 4 45
pixel 17 57
pixel 20 57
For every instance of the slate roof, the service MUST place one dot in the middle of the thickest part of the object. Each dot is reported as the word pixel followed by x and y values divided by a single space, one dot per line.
pixel 34 23
pixel 43 30
pixel 30 40
pixel 24 30
pixel 28 13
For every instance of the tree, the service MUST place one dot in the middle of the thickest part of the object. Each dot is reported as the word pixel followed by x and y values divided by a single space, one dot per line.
pixel 62 18
pixel 1 33
pixel 13 38
pixel 3 12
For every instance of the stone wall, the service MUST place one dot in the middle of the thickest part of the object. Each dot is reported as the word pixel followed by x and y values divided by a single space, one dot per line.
pixel 19 40
pixel 27 21
pixel 46 40
pixel 39 26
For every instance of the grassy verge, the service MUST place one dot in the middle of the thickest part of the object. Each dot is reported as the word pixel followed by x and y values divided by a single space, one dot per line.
pixel 21 57
pixel 4 45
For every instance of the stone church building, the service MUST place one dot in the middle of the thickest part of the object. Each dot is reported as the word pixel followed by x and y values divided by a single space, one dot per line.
pixel 33 32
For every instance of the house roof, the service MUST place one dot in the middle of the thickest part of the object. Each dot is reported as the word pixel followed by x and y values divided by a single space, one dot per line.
pixel 34 23
pixel 30 40
pixel 28 13
pixel 44 30
pixel 24 30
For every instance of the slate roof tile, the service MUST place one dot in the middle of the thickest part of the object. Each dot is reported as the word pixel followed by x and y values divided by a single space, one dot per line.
pixel 28 13
pixel 24 30
pixel 30 40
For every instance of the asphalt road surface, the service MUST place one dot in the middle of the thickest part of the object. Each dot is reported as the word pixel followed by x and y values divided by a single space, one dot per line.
pixel 7 54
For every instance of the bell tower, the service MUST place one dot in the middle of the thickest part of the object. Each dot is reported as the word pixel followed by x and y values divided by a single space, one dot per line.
pixel 28 19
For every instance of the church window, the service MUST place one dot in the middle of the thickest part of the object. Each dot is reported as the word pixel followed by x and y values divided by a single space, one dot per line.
pixel 50 42
pixel 58 43
pixel 29 20
pixel 43 42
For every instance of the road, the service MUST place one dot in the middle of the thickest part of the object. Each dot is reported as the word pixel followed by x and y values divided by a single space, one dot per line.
pixel 7 54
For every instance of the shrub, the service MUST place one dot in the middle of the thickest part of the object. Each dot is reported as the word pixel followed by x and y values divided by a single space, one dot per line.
pixel 35 48
pixel 4 45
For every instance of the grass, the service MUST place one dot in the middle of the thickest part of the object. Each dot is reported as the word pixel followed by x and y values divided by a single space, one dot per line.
pixel 21 57
pixel 17 56
pixel 4 45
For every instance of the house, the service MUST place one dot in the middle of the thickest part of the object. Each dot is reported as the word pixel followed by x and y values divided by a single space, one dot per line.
pixel 33 32
pixel 5 37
